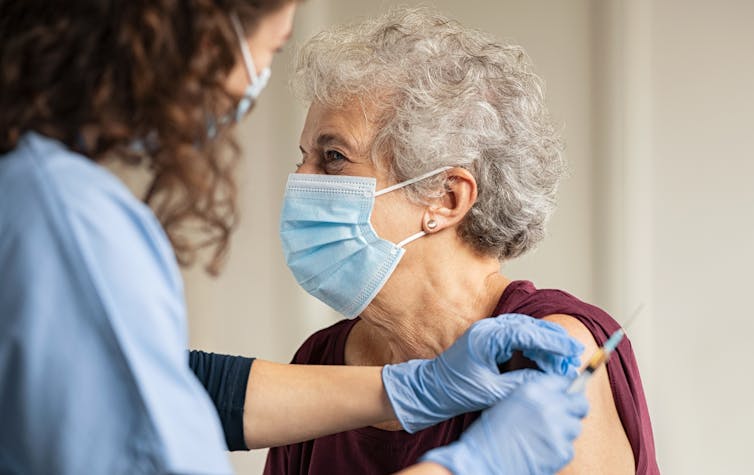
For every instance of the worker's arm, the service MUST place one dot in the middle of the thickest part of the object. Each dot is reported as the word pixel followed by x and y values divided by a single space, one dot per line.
pixel 264 404
pixel 532 429
pixel 291 403
pixel 286 404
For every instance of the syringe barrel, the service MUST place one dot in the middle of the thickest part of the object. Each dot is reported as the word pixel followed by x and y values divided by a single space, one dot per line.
pixel 579 383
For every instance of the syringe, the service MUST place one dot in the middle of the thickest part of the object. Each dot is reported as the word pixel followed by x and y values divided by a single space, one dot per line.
pixel 598 359
pixel 601 356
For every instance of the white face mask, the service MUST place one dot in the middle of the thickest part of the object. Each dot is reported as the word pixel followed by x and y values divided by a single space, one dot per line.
pixel 257 82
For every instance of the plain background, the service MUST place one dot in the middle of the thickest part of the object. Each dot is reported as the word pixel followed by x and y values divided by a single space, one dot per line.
pixel 656 104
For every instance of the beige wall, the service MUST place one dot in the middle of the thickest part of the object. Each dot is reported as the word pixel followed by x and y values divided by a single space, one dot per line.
pixel 656 101
pixel 703 233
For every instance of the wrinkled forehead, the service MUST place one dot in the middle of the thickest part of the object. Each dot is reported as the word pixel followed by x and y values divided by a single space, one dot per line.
pixel 353 121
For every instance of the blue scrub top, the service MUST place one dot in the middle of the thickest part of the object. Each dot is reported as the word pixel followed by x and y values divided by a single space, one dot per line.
pixel 94 377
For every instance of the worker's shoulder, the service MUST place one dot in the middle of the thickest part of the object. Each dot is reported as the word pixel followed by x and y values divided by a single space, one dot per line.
pixel 43 178
pixel 60 210
pixel 55 193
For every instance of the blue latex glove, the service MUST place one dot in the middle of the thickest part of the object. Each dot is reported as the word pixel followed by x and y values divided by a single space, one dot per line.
pixel 466 378
pixel 531 432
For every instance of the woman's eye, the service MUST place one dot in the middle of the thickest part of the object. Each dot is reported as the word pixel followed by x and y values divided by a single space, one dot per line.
pixel 334 156
pixel 333 162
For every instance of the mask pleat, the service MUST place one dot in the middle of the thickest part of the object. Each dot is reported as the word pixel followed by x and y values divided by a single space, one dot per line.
pixel 320 260
pixel 329 233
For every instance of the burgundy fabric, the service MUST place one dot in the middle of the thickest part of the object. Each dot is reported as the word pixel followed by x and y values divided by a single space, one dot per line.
pixel 370 450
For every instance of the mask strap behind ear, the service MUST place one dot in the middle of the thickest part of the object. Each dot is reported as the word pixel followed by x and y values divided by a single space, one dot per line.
pixel 248 59
pixel 411 181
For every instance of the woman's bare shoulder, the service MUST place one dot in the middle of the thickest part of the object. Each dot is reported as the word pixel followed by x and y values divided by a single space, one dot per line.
pixel 603 441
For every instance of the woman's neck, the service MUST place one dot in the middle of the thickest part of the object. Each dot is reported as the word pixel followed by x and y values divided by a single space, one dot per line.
pixel 421 311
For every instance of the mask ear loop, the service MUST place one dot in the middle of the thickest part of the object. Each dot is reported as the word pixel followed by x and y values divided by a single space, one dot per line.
pixel 248 60
pixel 408 240
pixel 411 239
pixel 402 184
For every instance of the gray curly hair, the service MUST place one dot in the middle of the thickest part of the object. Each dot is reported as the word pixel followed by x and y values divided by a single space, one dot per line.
pixel 448 96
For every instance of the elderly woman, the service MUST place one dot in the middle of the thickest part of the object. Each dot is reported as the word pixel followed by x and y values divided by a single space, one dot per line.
pixel 428 159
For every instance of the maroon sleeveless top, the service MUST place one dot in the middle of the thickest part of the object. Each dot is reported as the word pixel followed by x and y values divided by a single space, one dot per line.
pixel 374 451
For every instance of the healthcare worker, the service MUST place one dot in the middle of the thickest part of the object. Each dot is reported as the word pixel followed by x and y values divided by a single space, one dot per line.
pixel 93 364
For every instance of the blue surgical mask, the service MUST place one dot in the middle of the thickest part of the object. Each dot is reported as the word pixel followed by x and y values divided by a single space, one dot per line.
pixel 330 244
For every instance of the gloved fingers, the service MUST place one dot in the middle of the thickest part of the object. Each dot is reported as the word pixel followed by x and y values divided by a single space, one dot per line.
pixel 553 391
pixel 570 428
pixel 505 333
pixel 541 338
pixel 453 457
pixel 577 404
pixel 549 325
pixel 535 338
pixel 551 384
pixel 565 455
pixel 508 382
pixel 509 319
pixel 531 330
pixel 517 319
pixel 513 319
pixel 551 363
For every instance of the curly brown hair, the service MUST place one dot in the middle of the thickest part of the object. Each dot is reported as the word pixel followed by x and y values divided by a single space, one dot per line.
pixel 101 75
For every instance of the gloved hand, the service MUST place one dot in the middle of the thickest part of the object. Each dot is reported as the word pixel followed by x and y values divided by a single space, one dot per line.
pixel 531 432
pixel 466 378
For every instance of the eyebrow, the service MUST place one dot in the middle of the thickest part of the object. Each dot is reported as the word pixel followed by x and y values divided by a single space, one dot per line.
pixel 330 138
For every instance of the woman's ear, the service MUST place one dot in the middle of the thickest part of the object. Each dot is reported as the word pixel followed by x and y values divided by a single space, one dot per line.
pixel 449 210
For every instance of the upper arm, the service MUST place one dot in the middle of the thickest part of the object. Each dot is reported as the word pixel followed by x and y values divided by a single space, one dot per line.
pixel 603 441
